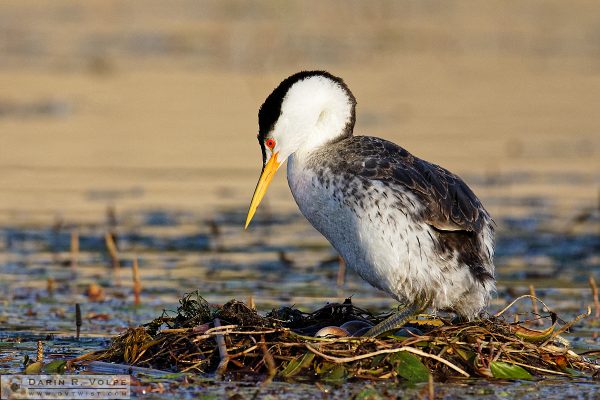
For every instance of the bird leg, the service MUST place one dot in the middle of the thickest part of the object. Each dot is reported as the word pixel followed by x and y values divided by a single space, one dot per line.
pixel 395 321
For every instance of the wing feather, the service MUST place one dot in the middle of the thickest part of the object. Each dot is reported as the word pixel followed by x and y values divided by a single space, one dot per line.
pixel 449 204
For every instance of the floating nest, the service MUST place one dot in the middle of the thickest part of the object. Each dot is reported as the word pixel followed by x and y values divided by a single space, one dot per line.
pixel 236 341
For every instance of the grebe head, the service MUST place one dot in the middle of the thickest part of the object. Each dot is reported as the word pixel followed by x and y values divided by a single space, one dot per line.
pixel 306 111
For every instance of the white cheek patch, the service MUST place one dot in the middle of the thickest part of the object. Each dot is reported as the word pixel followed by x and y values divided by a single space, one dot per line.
pixel 315 111
pixel 323 117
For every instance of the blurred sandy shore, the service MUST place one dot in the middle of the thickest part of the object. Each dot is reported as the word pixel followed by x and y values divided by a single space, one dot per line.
pixel 154 104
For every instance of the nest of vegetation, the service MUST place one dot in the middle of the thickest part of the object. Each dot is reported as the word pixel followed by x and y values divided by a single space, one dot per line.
pixel 234 340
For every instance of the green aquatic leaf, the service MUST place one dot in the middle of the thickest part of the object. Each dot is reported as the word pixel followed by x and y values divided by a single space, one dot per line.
pixel 465 354
pixel 297 364
pixel 368 393
pixel 34 368
pixel 574 372
pixel 409 367
pixel 504 370
pixel 339 373
pixel 330 372
pixel 376 361
pixel 56 367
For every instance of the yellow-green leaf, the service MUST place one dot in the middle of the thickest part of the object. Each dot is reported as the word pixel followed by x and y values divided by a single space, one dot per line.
pixel 535 336
pixel 504 370
pixel 376 361
pixel 532 335
pixel 338 373
pixel 297 364
pixel 331 372
pixel 368 393
pixel 465 354
pixel 574 372
pixel 409 367
pixel 34 368
pixel 55 367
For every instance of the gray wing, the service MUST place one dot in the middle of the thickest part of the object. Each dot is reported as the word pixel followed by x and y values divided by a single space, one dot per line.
pixel 450 205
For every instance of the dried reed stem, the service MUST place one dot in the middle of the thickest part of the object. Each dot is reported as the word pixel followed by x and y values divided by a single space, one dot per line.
pixel 112 250
pixel 78 321
pixel 534 305
pixel 137 284
pixel 595 297
pixel 74 252
pixel 341 275
pixel 269 361
pixel 499 313
pixel 220 339
pixel 340 360
pixel 568 325
pixel 50 285
pixel 431 387
pixel 250 303
pixel 40 352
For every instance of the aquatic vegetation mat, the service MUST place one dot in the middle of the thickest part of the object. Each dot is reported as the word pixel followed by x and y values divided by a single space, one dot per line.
pixel 236 341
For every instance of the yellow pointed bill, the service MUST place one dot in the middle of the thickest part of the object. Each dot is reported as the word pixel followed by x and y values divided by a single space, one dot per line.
pixel 263 183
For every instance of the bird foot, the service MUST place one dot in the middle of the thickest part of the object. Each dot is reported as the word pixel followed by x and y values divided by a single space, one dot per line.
pixel 394 322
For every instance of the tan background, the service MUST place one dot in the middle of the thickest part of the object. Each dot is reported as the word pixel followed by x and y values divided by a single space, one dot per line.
pixel 154 103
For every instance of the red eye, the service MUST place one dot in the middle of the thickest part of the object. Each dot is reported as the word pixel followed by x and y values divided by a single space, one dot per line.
pixel 270 143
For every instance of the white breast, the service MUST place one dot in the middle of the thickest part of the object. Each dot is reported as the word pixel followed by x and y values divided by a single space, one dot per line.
pixel 385 245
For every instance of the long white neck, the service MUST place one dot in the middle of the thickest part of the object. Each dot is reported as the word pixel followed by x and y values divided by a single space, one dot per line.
pixel 315 111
